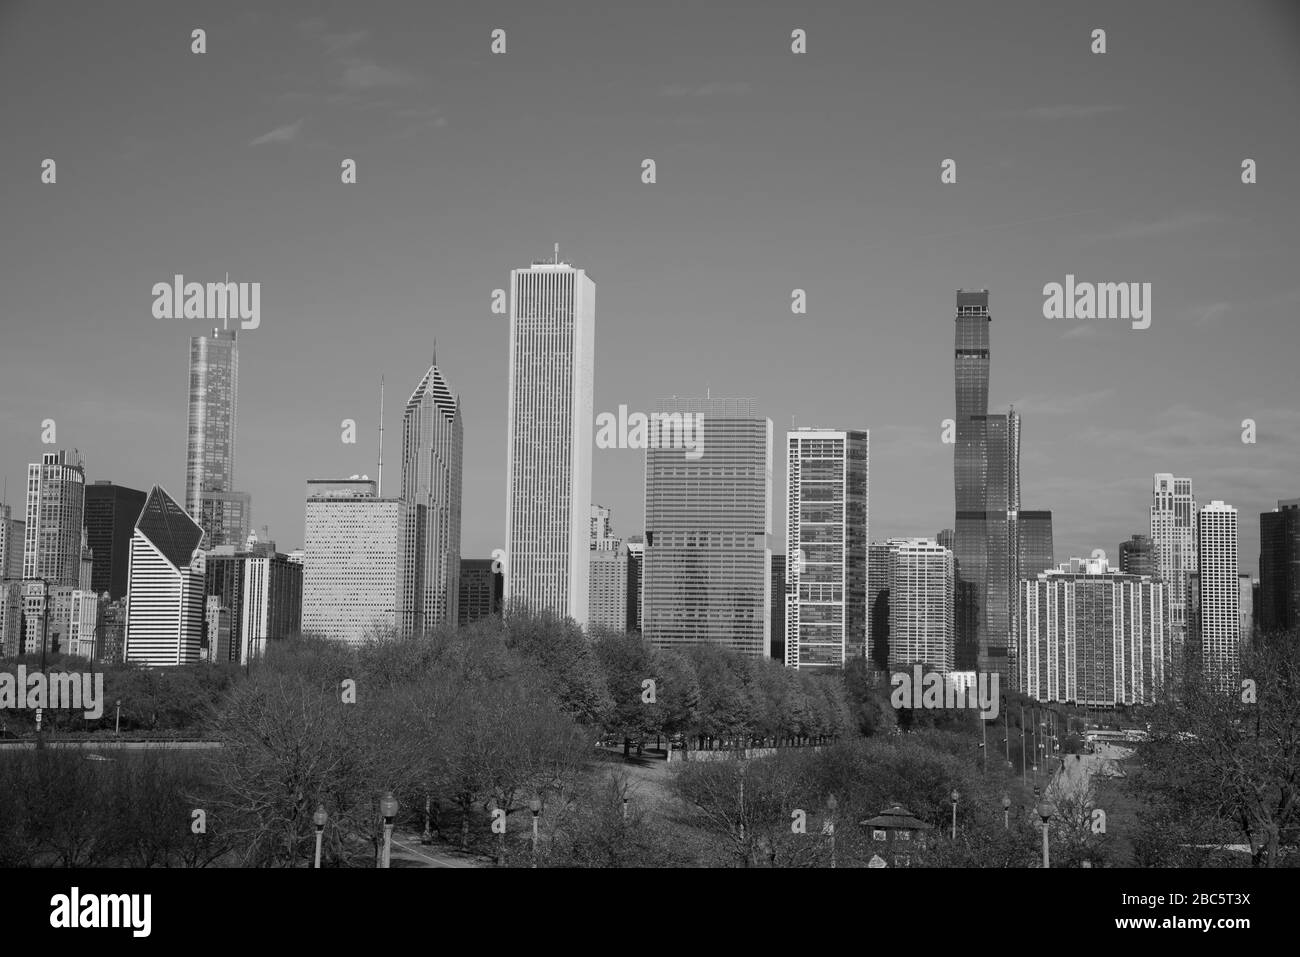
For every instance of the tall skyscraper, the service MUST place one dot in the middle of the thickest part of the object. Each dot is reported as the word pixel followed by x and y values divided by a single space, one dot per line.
pixel 1279 568
pixel 111 513
pixel 56 488
pixel 481 591
pixel 258 593
pixel 1091 635
pixel 352 569
pixel 880 570
pixel 1220 632
pixel 549 439
pixel 608 589
pixel 11 544
pixel 921 596
pixel 432 465
pixel 1034 533
pixel 777 605
pixel 987 487
pixel 635 570
pixel 1173 533
pixel 1245 609
pixel 1138 556
pixel 827 533
pixel 210 451
pixel 603 538
pixel 164 616
pixel 707 566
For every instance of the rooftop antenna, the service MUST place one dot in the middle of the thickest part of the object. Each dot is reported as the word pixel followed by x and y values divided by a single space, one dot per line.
pixel 380 492
pixel 557 254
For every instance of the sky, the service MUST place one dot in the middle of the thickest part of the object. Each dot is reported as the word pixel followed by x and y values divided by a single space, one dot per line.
pixel 775 171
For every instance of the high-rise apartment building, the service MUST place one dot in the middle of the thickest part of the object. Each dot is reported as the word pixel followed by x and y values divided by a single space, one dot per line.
pixel 352 568
pixel 110 516
pixel 1173 533
pixel 1034 533
pixel 1091 635
pixel 164 615
pixel 827 533
pixel 921 597
pixel 1279 569
pixel 259 590
pixel 432 465
pixel 608 589
pixel 880 570
pixel 210 496
pixel 549 440
pixel 707 566
pixel 11 544
pixel 1219 604
pixel 56 489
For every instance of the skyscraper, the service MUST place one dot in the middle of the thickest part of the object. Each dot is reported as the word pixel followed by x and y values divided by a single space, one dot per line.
pixel 11 544
pixel 258 592
pixel 164 616
pixel 1034 532
pixel 1217 570
pixel 210 451
pixel 549 439
pixel 880 570
pixel 1279 568
pixel 352 567
pixel 987 488
pixel 432 465
pixel 111 513
pixel 827 514
pixel 608 589
pixel 1245 608
pixel 481 591
pixel 1091 635
pixel 1173 534
pixel 55 501
pixel 1137 556
pixel 602 530
pixel 777 604
pixel 921 595
pixel 635 568
pixel 706 571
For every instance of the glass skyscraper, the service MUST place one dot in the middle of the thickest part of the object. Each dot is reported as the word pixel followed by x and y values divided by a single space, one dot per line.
pixel 210 453
pixel 165 609
pixel 111 512
pixel 549 440
pixel 827 533
pixel 1279 568
pixel 56 491
pixel 706 570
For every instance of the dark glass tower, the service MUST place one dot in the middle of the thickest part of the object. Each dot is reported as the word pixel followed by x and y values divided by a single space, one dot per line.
pixel 1279 568
pixel 1035 535
pixel 1137 556
pixel 110 515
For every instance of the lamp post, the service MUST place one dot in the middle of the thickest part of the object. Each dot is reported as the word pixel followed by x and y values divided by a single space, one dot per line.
pixel 832 804
pixel 625 802
pixel 319 819
pixel 388 808
pixel 535 805
pixel 1022 745
pixel 117 722
pixel 1045 810
pixel 426 836
pixel 955 797
pixel 1006 813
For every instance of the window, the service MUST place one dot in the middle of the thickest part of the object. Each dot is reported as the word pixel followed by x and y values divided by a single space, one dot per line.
pixel 877 834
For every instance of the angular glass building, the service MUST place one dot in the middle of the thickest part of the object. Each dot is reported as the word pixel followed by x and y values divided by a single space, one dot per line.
pixel 827 532
pixel 706 571
pixel 165 607
pixel 549 440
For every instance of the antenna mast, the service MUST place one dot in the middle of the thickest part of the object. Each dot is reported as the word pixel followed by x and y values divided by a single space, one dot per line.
pixel 381 437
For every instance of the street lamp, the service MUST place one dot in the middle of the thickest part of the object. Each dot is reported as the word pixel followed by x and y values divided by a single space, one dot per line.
pixel 117 722
pixel 535 805
pixel 319 819
pixel 1045 810
pixel 832 804
pixel 955 797
pixel 388 808
pixel 426 836
pixel 1006 812
pixel 625 808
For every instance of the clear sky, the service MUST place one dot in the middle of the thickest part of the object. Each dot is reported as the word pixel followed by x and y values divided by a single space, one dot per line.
pixel 775 171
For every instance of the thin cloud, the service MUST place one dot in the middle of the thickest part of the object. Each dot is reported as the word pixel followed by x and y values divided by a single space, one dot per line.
pixel 715 88
pixel 1181 222
pixel 1054 404
pixel 281 134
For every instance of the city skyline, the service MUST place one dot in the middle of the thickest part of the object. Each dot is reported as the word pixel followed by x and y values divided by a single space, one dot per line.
pixel 1104 406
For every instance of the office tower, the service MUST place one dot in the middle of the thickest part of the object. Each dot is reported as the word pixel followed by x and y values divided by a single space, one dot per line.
pixel 827 535
pixel 987 487
pixel 432 458
pixel 110 630
pixel 635 570
pixel 880 570
pixel 921 596
pixel 352 571
pixel 602 530
pixel 11 618
pixel 1092 636
pixel 1138 556
pixel 1220 622
pixel 944 537
pixel 111 513
pixel 210 450
pixel 164 619
pixel 1245 608
pixel 52 536
pixel 549 439
pixel 11 544
pixel 481 591
pixel 1173 535
pixel 1034 532
pixel 777 606
pixel 608 589
pixel 83 616
pixel 259 591
pixel 1279 569
pixel 707 566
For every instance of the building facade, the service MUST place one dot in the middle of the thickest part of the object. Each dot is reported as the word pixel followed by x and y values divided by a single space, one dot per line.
pixel 549 440
pixel 1173 535
pixel 164 614
pixel 1219 598
pixel 482 591
pixel 110 517
pixel 1279 568
pixel 56 489
pixel 1137 556
pixel 608 589
pixel 212 422
pixel 922 593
